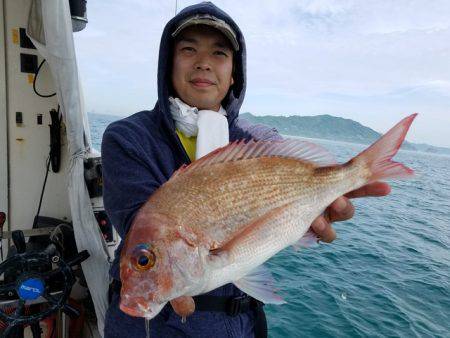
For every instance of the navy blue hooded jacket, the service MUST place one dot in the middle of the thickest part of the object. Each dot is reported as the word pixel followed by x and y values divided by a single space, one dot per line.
pixel 139 154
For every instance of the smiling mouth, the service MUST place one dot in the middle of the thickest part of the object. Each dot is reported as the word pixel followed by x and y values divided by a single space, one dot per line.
pixel 202 83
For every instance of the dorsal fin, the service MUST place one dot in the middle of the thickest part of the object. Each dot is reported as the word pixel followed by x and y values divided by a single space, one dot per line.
pixel 241 150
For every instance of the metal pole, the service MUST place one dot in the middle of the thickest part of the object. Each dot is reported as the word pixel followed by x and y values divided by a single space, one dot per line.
pixel 61 325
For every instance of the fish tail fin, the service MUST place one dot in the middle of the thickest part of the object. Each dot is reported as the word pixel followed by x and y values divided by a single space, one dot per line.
pixel 378 157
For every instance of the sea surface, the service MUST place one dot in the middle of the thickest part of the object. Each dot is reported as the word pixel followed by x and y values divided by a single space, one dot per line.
pixel 388 272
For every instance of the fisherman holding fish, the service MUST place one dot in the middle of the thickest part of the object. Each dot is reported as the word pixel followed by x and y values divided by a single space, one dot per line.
pixel 201 87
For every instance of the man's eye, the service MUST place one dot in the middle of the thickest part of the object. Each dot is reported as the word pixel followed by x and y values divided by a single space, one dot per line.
pixel 188 49
pixel 219 52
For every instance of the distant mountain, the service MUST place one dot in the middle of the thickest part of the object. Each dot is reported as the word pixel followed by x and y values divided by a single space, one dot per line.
pixel 331 128
pixel 426 148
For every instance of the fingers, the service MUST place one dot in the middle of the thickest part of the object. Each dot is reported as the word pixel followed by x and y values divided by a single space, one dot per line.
pixel 371 189
pixel 340 210
pixel 323 229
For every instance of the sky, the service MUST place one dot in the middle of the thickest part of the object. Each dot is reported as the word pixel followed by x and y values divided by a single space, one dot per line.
pixel 372 61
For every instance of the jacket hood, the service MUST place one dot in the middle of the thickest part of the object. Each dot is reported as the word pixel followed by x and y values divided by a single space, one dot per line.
pixel 235 96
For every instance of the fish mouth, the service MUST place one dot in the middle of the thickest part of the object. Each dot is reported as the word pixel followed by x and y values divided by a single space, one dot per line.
pixel 148 312
pixel 131 311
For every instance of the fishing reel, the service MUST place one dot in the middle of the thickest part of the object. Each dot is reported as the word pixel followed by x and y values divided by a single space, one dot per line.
pixel 40 276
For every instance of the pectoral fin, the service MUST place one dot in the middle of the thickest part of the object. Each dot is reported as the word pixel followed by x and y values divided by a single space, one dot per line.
pixel 258 283
pixel 218 258
pixel 223 255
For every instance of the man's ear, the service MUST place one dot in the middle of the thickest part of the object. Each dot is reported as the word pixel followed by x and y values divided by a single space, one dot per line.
pixel 232 81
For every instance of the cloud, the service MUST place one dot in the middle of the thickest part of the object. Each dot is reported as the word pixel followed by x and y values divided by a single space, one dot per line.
pixel 368 60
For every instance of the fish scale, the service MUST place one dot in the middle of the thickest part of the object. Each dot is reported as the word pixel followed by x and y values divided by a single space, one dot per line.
pixel 242 197
pixel 288 226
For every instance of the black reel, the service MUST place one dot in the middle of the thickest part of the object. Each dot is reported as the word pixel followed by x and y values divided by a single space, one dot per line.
pixel 35 270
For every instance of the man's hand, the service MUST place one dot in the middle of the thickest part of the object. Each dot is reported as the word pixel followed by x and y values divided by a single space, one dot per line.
pixel 342 209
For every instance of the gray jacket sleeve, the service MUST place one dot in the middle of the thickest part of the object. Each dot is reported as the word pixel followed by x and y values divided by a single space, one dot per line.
pixel 259 132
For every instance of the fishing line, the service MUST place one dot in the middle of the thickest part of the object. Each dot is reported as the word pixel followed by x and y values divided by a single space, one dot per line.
pixel 147 327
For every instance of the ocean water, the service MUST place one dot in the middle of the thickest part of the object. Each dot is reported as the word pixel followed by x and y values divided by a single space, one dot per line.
pixel 388 272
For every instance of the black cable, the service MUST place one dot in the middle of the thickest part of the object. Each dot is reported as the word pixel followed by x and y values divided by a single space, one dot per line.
pixel 48 159
pixel 35 329
pixel 1 249
pixel 34 82
pixel 42 193
pixel 43 186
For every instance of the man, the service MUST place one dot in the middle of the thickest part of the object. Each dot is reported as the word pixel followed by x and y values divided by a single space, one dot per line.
pixel 201 86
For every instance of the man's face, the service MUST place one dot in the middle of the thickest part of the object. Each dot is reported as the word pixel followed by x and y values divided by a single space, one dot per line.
pixel 202 67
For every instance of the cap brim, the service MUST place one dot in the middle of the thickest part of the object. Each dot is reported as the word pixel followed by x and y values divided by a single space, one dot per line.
pixel 219 25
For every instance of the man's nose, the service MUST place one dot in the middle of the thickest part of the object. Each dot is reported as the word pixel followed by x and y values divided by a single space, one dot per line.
pixel 203 62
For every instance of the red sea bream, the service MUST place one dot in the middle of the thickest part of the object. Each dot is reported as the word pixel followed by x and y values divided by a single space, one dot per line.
pixel 217 220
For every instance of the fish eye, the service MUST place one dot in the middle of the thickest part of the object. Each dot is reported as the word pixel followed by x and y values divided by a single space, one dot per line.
pixel 143 258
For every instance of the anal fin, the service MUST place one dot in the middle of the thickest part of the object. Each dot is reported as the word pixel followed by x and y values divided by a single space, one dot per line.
pixel 260 284
pixel 309 239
